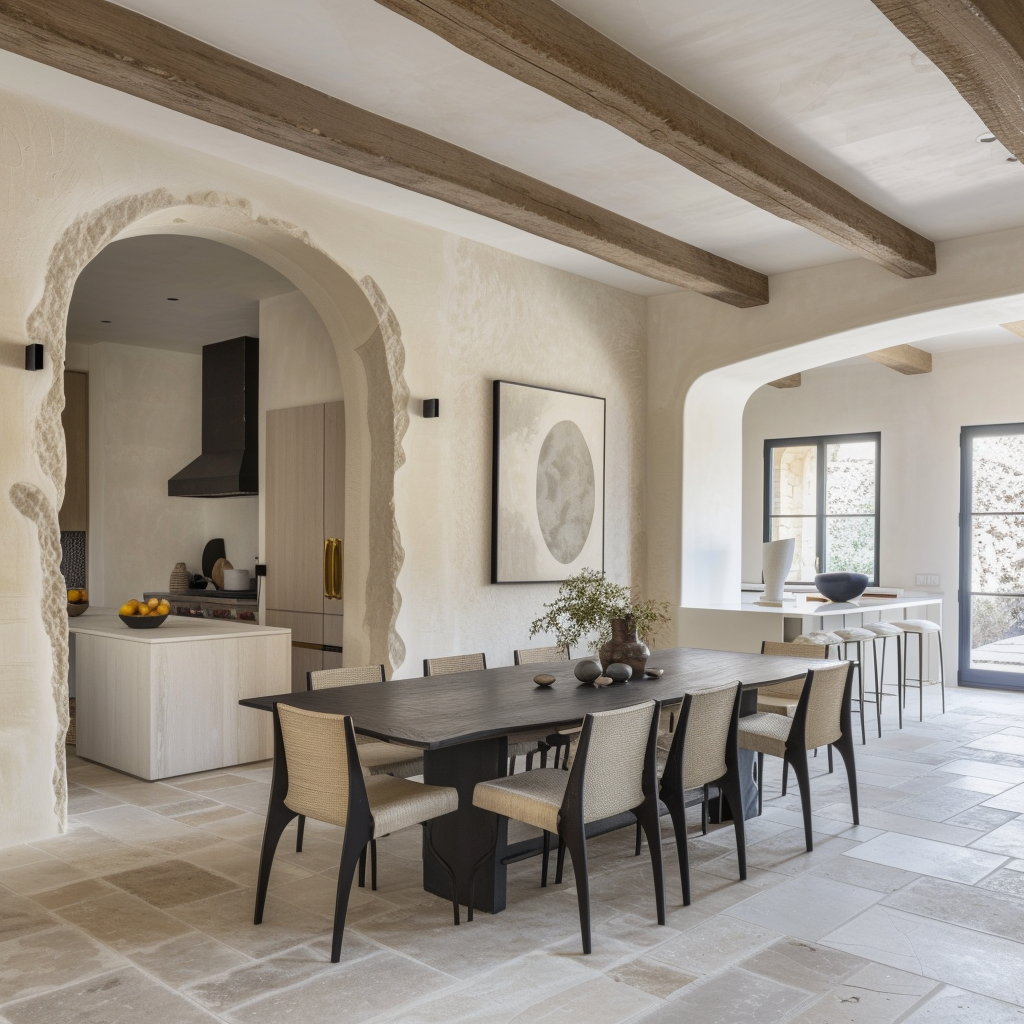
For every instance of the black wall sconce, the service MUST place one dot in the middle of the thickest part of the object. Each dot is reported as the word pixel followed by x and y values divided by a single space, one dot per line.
pixel 431 408
pixel 33 357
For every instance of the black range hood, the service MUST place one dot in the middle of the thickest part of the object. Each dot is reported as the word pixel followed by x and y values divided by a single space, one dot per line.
pixel 228 466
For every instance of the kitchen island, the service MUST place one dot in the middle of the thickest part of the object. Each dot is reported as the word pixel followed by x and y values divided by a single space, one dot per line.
pixel 156 703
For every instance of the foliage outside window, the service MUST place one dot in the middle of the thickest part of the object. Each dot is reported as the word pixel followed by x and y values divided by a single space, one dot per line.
pixel 823 492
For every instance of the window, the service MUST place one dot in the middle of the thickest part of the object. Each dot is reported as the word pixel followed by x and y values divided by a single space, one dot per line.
pixel 823 491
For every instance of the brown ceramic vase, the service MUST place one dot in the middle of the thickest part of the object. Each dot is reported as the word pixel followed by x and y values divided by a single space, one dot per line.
pixel 625 648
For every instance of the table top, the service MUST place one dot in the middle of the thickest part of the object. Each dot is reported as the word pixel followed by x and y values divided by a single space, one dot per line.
pixel 176 629
pixel 802 606
pixel 443 711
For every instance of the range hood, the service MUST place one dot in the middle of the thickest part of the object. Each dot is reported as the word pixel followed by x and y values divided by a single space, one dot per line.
pixel 228 466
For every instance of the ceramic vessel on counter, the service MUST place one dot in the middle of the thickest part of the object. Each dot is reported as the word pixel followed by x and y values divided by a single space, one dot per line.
pixel 841 586
pixel 180 579
pixel 625 648
pixel 776 561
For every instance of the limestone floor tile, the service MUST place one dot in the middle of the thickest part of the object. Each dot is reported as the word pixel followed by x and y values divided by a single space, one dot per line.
pixel 958 956
pixel 44 874
pixel 190 805
pixel 955 1006
pixel 238 826
pixel 125 995
pixel 82 799
pixel 365 988
pixel 976 785
pixel 985 770
pixel 266 977
pixel 171 883
pixel 239 863
pixel 148 794
pixel 228 918
pixel 874 995
pixel 1005 880
pixel 787 854
pixel 597 1001
pixel 795 819
pixel 890 821
pixel 733 997
pixel 804 965
pixel 806 907
pixel 76 892
pixel 21 916
pixel 122 921
pixel 218 812
pixel 866 874
pixel 713 944
pixel 650 976
pixel 1008 839
pixel 982 818
pixel 938 805
pixel 40 961
pixel 317 893
pixel 19 856
pixel 927 857
pixel 218 781
pixel 1011 800
pixel 966 905
pixel 253 797
pixel 1001 742
pixel 132 824
pixel 186 959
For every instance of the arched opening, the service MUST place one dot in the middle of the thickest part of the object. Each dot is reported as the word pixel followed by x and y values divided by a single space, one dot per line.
pixel 367 342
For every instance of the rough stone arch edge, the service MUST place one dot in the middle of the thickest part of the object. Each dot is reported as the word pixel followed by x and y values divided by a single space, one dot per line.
pixel 383 352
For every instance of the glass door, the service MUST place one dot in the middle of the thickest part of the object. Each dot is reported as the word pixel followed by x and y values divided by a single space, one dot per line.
pixel 992 556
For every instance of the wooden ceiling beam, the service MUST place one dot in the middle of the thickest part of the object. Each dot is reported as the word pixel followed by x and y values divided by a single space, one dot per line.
pixel 904 359
pixel 545 46
pixel 123 50
pixel 979 46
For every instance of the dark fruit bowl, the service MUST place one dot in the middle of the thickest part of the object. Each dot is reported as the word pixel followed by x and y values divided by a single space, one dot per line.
pixel 839 587
pixel 142 621
pixel 77 607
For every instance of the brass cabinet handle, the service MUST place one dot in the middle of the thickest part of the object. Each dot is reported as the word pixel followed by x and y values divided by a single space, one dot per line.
pixel 328 568
pixel 337 576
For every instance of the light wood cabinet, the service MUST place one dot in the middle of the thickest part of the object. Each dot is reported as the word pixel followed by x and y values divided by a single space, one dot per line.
pixel 74 513
pixel 305 528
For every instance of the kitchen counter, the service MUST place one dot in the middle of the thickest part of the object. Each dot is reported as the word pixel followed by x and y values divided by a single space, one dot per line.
pixel 162 702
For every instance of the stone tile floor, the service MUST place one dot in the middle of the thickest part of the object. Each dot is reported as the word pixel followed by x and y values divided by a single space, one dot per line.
pixel 143 910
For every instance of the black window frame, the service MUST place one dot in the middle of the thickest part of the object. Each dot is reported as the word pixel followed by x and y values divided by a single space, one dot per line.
pixel 821 441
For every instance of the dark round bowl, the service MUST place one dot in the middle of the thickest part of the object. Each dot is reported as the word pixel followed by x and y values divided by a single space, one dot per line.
pixel 77 608
pixel 841 586
pixel 142 621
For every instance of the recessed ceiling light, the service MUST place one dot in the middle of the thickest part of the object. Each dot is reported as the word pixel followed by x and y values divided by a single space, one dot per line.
pixel 172 300
pixel 985 137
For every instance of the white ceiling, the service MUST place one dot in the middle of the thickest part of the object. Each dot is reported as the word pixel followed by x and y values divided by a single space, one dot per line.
pixel 833 83
pixel 980 337
pixel 130 283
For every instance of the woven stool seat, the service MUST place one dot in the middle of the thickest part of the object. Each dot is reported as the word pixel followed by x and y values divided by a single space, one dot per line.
pixel 819 636
pixel 856 633
pixel 917 625
pixel 883 628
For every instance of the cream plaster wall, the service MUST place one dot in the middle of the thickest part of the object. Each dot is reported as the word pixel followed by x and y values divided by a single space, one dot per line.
pixel 920 419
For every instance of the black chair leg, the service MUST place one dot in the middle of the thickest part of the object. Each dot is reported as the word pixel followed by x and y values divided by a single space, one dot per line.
pixel 639 838
pixel 704 811
pixel 577 845
pixel 785 776
pixel 351 853
pixel 677 810
pixel 373 864
pixel 278 818
pixel 803 779
pixel 648 817
pixel 845 747
pixel 760 781
pixel 730 785
pixel 544 862
pixel 362 868
pixel 299 833
pixel 560 861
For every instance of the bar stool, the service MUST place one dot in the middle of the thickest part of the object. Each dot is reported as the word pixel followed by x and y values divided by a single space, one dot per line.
pixel 884 632
pixel 923 628
pixel 858 637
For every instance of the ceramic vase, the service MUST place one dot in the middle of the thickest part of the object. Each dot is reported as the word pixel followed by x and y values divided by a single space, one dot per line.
pixel 179 579
pixel 776 561
pixel 625 648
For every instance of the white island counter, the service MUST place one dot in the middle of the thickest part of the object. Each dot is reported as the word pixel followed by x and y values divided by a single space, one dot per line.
pixel 163 702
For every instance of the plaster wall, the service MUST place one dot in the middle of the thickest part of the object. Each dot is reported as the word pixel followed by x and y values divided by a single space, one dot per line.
pixel 920 419
pixel 450 314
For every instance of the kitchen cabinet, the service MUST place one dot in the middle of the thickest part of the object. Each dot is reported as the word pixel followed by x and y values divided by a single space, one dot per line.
pixel 305 529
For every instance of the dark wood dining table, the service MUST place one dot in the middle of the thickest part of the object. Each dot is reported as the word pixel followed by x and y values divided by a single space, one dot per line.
pixel 462 723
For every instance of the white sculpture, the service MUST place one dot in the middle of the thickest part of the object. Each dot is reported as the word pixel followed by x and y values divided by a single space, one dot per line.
pixel 776 560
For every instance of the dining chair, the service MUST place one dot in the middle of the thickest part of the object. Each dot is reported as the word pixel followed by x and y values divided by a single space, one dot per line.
pixel 317 773
pixel 376 756
pixel 526 744
pixel 556 741
pixel 614 771
pixel 539 655
pixel 703 752
pixel 822 717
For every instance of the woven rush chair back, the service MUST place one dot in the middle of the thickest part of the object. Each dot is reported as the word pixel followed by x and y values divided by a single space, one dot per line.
pixel 326 678
pixel 823 704
pixel 795 688
pixel 455 663
pixel 316 752
pixel 538 655
pixel 706 722
pixel 610 760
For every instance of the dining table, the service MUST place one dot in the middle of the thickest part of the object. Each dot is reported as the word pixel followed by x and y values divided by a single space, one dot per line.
pixel 462 722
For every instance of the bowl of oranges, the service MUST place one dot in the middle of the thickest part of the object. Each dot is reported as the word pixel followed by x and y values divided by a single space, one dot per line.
pixel 144 614
pixel 78 600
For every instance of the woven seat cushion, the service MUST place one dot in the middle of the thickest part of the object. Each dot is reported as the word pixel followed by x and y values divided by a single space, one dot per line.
pixel 918 625
pixel 766 733
pixel 883 628
pixel 817 636
pixel 398 803
pixel 769 704
pixel 534 797
pixel 855 634
pixel 379 758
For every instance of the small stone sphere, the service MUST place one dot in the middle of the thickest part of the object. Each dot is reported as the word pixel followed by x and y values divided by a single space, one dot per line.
pixel 587 671
pixel 543 680
pixel 619 672
pixel 603 681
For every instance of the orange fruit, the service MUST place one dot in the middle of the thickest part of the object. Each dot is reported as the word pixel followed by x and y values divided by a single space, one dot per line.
pixel 133 604
pixel 83 595
pixel 74 596
pixel 153 602
pixel 163 609
pixel 126 609
pixel 143 609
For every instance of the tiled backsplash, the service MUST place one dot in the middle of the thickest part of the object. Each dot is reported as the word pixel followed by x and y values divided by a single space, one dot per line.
pixel 72 560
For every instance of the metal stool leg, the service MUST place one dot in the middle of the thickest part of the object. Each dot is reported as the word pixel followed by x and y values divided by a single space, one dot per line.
pixel 942 673
pixel 920 677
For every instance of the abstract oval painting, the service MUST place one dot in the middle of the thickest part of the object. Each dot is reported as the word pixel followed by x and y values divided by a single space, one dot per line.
pixel 565 491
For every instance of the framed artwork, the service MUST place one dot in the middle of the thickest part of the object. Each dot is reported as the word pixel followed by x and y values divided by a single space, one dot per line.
pixel 547 518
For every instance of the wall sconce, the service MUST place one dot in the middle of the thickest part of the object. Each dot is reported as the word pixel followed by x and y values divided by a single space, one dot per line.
pixel 431 408
pixel 33 357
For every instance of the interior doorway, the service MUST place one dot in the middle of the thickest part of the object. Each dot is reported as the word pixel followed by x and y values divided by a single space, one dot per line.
pixel 992 556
